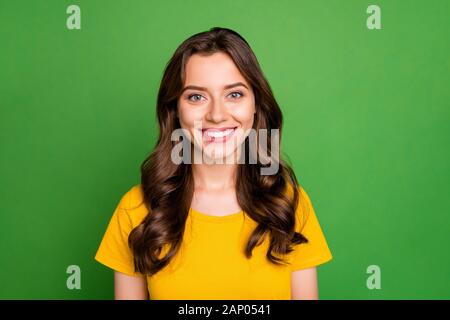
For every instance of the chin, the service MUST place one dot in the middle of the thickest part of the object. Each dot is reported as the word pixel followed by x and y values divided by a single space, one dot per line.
pixel 220 157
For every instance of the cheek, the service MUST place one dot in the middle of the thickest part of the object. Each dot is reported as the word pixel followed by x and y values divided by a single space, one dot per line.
pixel 245 115
pixel 188 116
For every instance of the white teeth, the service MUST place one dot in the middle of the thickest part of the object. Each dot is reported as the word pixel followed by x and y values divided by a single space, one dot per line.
pixel 218 134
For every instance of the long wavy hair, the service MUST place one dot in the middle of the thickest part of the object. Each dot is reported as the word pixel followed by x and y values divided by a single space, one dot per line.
pixel 168 188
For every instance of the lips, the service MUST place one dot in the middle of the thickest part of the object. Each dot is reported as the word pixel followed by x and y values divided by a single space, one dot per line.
pixel 218 134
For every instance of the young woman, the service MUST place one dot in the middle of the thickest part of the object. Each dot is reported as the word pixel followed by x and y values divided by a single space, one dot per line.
pixel 217 228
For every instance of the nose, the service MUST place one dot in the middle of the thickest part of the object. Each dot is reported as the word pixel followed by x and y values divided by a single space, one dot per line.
pixel 217 112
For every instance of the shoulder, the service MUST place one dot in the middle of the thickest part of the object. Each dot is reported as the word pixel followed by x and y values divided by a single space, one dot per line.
pixel 132 204
pixel 304 200
pixel 304 206
pixel 132 197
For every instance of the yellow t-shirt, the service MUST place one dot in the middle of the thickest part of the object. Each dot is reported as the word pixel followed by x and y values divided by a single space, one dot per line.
pixel 211 264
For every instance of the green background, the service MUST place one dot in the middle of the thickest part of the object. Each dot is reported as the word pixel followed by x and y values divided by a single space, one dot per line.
pixel 366 129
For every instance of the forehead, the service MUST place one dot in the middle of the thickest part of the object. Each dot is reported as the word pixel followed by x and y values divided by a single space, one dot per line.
pixel 212 71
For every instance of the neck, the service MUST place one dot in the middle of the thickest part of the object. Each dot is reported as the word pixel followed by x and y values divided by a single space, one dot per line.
pixel 214 176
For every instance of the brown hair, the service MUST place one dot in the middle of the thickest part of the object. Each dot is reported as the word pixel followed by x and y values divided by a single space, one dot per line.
pixel 168 187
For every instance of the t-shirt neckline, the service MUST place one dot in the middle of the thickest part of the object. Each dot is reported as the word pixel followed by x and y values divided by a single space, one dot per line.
pixel 210 218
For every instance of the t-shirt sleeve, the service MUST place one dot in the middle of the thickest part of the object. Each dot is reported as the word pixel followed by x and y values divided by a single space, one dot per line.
pixel 114 251
pixel 316 251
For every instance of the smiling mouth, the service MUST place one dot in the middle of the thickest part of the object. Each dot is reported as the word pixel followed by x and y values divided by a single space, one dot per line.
pixel 218 134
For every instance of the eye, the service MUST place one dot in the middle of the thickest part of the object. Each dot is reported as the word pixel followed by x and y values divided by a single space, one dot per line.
pixel 238 93
pixel 197 97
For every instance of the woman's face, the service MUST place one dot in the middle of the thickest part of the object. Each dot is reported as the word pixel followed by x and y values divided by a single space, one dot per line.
pixel 217 105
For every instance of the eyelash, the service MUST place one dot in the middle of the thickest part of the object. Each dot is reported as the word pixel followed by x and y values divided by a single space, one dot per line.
pixel 196 94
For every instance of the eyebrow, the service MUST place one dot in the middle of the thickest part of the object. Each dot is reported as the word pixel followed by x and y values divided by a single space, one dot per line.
pixel 228 86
